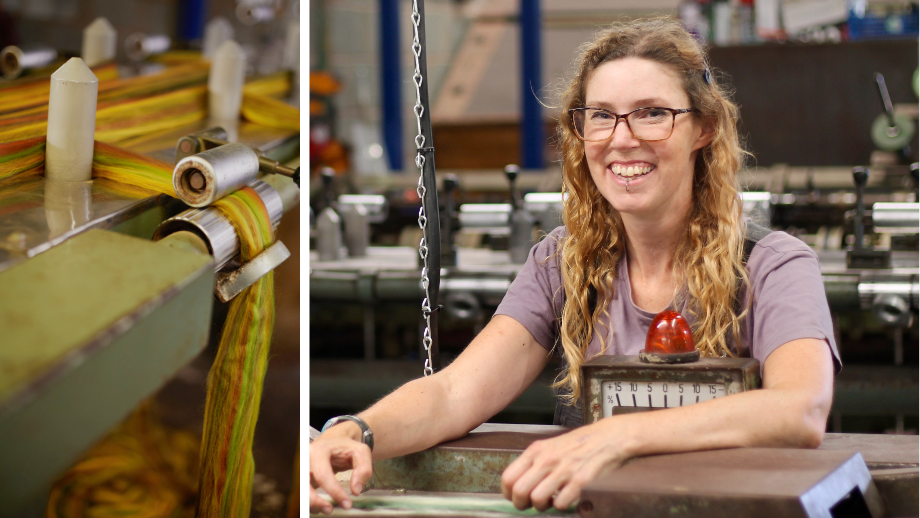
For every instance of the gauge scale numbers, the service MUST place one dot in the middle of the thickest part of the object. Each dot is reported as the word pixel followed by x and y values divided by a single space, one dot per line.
pixel 657 394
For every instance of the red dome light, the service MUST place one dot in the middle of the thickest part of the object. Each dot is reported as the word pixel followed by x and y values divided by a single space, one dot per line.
pixel 669 340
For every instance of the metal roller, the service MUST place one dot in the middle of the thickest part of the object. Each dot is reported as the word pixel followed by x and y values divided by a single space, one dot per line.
pixel 271 199
pixel 915 81
pixel 892 298
pixel 216 137
pixel 376 205
pixel 546 208
pixel 251 13
pixel 540 202
pixel 493 218
pixel 202 179
pixel 139 46
pixel 896 218
pixel 15 60
pixel 211 226
pixel 215 229
pixel 462 305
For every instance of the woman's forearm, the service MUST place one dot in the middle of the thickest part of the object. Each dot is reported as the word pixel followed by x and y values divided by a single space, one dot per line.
pixel 414 417
pixel 790 411
pixel 500 363
pixel 765 418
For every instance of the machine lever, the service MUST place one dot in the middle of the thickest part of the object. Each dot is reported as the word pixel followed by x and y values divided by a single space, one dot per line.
pixel 859 256
pixel 913 175
pixel 860 178
pixel 511 172
pixel 893 129
pixel 328 175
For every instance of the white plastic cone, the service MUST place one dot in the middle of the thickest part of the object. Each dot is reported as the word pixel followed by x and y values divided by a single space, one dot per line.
pixel 216 33
pixel 71 122
pixel 100 41
pixel 225 82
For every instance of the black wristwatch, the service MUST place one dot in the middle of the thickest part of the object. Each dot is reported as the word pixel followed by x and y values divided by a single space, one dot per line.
pixel 367 435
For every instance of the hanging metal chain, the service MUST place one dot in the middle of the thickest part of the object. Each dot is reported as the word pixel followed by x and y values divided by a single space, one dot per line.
pixel 420 163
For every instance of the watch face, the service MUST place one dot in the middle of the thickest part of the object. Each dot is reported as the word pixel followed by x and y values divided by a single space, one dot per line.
pixel 656 394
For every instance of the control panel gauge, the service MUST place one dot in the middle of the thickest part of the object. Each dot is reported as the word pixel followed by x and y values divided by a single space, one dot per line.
pixel 669 373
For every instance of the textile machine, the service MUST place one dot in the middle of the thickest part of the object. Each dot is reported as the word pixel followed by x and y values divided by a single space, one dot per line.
pixel 107 290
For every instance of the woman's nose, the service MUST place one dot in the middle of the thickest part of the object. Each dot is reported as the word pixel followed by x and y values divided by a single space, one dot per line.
pixel 623 136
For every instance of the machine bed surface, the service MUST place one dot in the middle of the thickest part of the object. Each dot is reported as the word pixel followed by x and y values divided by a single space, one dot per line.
pixel 474 463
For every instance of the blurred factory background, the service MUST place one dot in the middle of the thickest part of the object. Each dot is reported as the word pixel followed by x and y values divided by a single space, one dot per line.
pixel 824 86
pixel 149 332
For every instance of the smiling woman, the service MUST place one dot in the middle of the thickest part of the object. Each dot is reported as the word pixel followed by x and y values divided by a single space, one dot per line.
pixel 653 222
pixel 655 63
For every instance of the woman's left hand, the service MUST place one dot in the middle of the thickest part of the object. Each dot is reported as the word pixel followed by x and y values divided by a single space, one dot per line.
pixel 551 472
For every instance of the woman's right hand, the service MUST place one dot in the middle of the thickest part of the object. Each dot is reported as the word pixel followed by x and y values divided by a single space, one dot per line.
pixel 338 449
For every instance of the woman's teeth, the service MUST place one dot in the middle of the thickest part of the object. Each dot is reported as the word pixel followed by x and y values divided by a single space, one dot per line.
pixel 630 171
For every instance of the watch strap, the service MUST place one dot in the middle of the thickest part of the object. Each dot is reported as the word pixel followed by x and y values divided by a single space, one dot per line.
pixel 367 435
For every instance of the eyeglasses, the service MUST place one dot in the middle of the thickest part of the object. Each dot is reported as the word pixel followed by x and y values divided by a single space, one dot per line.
pixel 648 124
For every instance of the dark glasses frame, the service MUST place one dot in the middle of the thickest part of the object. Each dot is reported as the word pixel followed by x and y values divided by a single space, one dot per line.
pixel 674 111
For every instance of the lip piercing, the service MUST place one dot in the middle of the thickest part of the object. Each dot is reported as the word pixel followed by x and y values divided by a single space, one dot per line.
pixel 627 185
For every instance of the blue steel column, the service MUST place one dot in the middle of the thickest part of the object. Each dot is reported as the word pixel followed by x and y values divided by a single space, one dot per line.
pixel 533 138
pixel 390 84
pixel 191 19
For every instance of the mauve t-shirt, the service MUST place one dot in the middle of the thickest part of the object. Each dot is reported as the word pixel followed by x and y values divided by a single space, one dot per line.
pixel 789 301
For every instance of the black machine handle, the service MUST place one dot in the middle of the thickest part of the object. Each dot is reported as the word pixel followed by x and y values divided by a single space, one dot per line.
pixel 511 173
pixel 860 178
pixel 913 174
pixel 328 175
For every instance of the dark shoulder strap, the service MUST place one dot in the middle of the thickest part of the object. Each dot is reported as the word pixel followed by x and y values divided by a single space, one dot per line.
pixel 752 234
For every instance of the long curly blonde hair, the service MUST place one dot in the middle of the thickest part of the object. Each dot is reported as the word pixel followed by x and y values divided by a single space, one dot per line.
pixel 708 259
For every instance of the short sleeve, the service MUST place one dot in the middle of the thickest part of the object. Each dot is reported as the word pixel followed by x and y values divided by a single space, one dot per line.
pixel 789 301
pixel 536 296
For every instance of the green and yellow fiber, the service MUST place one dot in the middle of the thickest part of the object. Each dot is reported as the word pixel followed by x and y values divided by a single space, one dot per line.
pixel 142 469
pixel 167 80
pixel 261 106
pixel 22 158
pixel 270 112
pixel 131 110
pixel 132 170
pixel 32 91
pixel 120 122
pixel 235 381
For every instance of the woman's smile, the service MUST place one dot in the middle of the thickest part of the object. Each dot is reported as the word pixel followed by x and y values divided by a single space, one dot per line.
pixel 630 172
